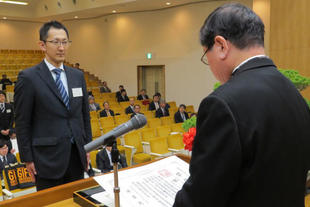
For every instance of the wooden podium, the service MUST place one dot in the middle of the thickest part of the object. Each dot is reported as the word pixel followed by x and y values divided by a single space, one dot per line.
pixel 60 196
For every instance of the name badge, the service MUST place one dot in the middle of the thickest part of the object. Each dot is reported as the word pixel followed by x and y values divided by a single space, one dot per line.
pixel 77 92
pixel 8 111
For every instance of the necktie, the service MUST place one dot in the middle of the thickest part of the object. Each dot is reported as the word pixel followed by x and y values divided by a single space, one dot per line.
pixel 183 117
pixel 2 107
pixel 61 88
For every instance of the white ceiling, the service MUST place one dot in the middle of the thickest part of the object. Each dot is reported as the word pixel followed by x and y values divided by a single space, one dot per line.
pixel 42 10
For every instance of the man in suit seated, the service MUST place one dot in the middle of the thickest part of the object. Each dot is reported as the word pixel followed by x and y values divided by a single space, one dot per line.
pixel 162 111
pixel 136 110
pixel 5 157
pixel 130 108
pixel 5 81
pixel 104 159
pixel 142 95
pixel 159 95
pixel 106 111
pixel 181 115
pixel 123 97
pixel 104 88
pixel 93 106
pixel 118 93
pixel 6 119
pixel 154 105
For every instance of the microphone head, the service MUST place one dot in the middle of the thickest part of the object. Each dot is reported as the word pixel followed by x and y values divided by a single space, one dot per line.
pixel 138 121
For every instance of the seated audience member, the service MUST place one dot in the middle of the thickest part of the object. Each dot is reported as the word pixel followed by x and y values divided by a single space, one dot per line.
pixel 13 141
pixel 130 108
pixel 123 97
pixel 159 95
pixel 154 105
pixel 104 88
pixel 93 106
pixel 106 110
pixel 104 159
pixel 136 110
pixel 162 111
pixel 77 66
pixel 6 119
pixel 181 115
pixel 142 95
pixel 5 157
pixel 5 81
pixel 118 93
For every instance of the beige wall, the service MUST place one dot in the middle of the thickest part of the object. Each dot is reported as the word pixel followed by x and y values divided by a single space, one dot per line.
pixel 290 36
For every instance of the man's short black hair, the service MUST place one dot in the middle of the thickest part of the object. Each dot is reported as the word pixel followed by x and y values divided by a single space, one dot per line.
pixel 3 142
pixel 3 93
pixel 121 86
pixel 236 23
pixel 182 105
pixel 46 27
pixel 123 90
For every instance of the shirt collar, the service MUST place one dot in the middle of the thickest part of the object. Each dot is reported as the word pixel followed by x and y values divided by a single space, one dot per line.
pixel 247 60
pixel 52 67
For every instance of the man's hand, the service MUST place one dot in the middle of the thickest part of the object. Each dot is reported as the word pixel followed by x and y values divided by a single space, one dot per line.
pixel 88 160
pixel 5 132
pixel 32 170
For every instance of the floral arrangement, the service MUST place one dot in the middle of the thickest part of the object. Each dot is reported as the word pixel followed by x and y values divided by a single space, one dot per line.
pixel 189 127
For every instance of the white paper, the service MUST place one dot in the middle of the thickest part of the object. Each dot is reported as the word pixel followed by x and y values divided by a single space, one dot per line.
pixel 152 185
pixel 77 92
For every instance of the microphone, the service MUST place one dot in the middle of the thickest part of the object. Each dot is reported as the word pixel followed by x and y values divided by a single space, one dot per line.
pixel 135 122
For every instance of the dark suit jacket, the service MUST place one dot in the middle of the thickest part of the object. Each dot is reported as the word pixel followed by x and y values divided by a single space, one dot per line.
pixel 178 117
pixel 129 110
pixel 5 82
pixel 141 98
pixel 103 113
pixel 121 99
pixel 11 159
pixel 117 94
pixel 152 106
pixel 44 125
pixel 159 113
pixel 105 89
pixel 103 161
pixel 6 119
pixel 252 143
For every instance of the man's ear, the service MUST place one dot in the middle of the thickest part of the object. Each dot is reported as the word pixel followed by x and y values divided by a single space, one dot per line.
pixel 42 45
pixel 222 46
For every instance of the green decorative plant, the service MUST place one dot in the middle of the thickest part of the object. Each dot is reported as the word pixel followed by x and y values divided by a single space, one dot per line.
pixel 298 80
pixel 189 123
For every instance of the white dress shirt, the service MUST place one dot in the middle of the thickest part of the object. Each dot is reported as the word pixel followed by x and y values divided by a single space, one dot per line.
pixel 247 60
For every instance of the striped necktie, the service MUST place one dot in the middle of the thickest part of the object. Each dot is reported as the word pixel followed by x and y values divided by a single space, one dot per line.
pixel 2 108
pixel 61 88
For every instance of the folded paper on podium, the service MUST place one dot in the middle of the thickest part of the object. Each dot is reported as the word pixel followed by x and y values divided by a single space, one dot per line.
pixel 151 185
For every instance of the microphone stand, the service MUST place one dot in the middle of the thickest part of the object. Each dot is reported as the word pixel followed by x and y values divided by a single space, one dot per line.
pixel 115 160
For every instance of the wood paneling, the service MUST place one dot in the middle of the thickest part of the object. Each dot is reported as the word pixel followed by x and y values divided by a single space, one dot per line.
pixel 290 36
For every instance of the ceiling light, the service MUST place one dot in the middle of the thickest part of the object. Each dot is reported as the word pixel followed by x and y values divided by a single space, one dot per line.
pixel 4 17
pixel 76 17
pixel 168 3
pixel 114 11
pixel 14 2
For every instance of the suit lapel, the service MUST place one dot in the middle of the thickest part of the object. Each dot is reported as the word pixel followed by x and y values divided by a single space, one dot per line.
pixel 47 78
pixel 70 81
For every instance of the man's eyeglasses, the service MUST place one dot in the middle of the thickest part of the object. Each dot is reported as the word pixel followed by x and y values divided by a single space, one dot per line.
pixel 59 43
pixel 204 58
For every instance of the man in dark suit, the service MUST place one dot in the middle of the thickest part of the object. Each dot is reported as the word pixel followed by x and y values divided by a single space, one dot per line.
pixel 123 97
pixel 142 95
pixel 130 108
pixel 6 119
pixel 5 157
pixel 104 88
pixel 52 114
pixel 93 106
pixel 154 105
pixel 118 93
pixel 5 81
pixel 162 111
pixel 253 138
pixel 104 160
pixel 136 110
pixel 181 115
pixel 106 110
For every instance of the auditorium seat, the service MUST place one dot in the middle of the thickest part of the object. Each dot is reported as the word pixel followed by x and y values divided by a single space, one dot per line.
pixel 163 131
pixel 95 128
pixel 175 142
pixel 177 128
pixel 154 122
pixel 107 121
pixel 190 109
pixel 159 147
pixel 149 114
pixel 121 119
pixel 167 120
pixel 148 134
pixel 92 155
pixel 172 104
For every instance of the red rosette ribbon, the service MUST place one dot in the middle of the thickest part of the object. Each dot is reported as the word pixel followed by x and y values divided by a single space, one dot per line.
pixel 188 138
